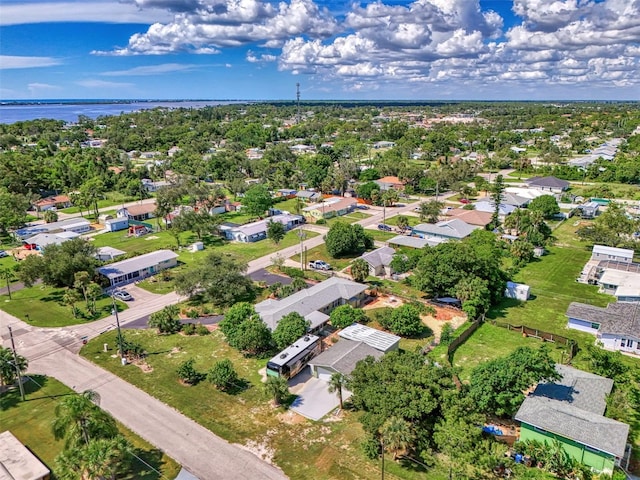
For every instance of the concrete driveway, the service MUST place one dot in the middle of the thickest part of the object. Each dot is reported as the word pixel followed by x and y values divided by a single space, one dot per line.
pixel 314 400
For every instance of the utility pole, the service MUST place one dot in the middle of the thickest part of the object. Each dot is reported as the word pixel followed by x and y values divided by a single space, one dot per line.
pixel 382 442
pixel 114 310
pixel 302 236
pixel 298 102
pixel 15 364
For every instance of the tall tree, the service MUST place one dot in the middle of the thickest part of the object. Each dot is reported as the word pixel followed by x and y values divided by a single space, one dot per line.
pixel 275 231
pixel 430 211
pixel 257 200
pixel 13 210
pixel 497 191
pixel 397 435
pixel 359 270
pixel 335 385
pixel 345 315
pixel 277 388
pixel 343 239
pixel 289 329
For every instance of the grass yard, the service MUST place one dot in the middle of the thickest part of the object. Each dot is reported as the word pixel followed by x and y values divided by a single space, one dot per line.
pixel 30 422
pixel 351 217
pixel 413 221
pixel 380 235
pixel 320 253
pixel 303 449
pixel 490 341
pixel 42 306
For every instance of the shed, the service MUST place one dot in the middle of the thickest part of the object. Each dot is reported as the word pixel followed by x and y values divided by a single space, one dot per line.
pixel 116 224
pixel 104 254
pixel 103 217
pixel 517 291
pixel 17 462
pixel 197 246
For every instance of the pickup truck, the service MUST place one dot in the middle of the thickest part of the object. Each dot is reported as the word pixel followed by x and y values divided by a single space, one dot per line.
pixel 319 265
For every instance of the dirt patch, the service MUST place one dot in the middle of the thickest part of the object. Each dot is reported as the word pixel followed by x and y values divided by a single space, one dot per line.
pixel 262 448
pixel 436 323
pixel 383 301
pixel 291 418
pixel 174 351
pixel 144 366
pixel 152 237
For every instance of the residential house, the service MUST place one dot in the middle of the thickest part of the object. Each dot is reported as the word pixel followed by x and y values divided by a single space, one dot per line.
pixel 490 207
pixel 313 303
pixel 404 241
pixel 342 357
pixel 379 261
pixel 390 183
pixel 17 462
pixel 333 207
pixel 622 284
pixel 602 252
pixel 454 229
pixel 472 217
pixel 571 411
pixel 383 341
pixel 514 200
pixel 286 193
pixel 550 184
pixel 616 326
pixel 152 187
pixel 138 268
pixel 54 202
pixel 43 240
pixel 256 231
pixel 138 213
pixel 383 144
pixel 309 196
pixel 76 225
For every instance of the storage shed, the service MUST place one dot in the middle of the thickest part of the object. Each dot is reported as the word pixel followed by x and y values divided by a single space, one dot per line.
pixel 517 291
pixel 116 224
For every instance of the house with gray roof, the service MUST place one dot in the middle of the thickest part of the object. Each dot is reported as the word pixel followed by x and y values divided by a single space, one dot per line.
pixel 405 241
pixel 256 231
pixel 379 261
pixel 138 268
pixel 313 303
pixel 571 411
pixel 43 240
pixel 17 462
pixel 309 196
pixel 342 357
pixel 75 225
pixel 616 327
pixel 454 229
pixel 550 184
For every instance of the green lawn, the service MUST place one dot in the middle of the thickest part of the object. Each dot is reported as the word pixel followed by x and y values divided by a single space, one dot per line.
pixel 352 217
pixel 381 236
pixel 42 306
pixel 30 422
pixel 303 449
pixel 413 221
pixel 320 253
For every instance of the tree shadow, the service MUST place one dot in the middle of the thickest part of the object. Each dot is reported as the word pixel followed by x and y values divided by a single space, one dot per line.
pixel 241 385
pixel 500 310
pixel 54 296
pixel 146 465
pixel 10 395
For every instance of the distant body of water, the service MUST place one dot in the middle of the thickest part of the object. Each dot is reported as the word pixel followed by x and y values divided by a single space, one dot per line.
pixel 11 112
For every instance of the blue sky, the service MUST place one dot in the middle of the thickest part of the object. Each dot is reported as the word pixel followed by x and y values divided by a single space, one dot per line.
pixel 255 49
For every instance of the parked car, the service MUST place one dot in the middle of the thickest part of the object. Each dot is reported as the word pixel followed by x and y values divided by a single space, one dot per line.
pixel 123 295
pixel 361 206
pixel 30 246
pixel 3 254
pixel 384 228
pixel 319 265
pixel 465 201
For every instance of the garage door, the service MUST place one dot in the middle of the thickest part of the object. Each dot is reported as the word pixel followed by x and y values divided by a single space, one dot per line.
pixel 325 374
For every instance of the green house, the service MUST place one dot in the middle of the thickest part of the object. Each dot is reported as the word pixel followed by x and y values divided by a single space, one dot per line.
pixel 571 410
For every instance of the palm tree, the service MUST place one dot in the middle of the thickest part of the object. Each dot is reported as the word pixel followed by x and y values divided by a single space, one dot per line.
pixel 7 275
pixel 277 388
pixel 359 270
pixel 79 419
pixel 336 383
pixel 397 435
pixel 70 298
pixel 100 459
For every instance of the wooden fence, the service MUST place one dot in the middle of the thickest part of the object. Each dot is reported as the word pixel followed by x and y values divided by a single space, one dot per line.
pixel 541 335
pixel 460 339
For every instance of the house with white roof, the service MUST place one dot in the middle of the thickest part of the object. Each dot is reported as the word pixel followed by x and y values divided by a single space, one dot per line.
pixel 314 303
pixel 76 225
pixel 138 268
pixel 43 240
pixel 405 241
pixel 454 229
pixel 489 206
pixel 256 231
pixel 17 462
pixel 602 252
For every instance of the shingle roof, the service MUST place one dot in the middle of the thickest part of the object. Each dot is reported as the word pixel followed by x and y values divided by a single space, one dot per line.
pixel 380 257
pixel 414 242
pixel 548 182
pixel 308 300
pixel 43 240
pixel 454 228
pixel 615 318
pixel 572 407
pixel 136 264
pixel 344 355
pixel 472 217
pixel 135 210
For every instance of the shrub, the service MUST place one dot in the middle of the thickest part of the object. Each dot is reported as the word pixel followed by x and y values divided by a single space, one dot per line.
pixel 321 221
pixel 193 313
pixel 446 335
pixel 188 329
pixel 223 375
pixel 202 330
pixel 187 372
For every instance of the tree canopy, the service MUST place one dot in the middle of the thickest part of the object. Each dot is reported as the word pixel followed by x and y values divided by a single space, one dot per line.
pixel 257 200
pixel 345 239
pixel 546 204
pixel 345 315
pixel 289 329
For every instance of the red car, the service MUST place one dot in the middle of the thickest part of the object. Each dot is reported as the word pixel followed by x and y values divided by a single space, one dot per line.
pixel 30 246
pixel 465 201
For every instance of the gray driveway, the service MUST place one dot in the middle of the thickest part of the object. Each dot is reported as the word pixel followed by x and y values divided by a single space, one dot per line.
pixel 262 275
pixel 314 400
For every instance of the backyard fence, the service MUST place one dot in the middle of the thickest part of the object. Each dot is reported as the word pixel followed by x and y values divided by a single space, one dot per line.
pixel 460 339
pixel 541 335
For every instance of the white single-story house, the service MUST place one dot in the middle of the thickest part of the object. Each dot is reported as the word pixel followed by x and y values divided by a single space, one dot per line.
pixel 489 206
pixel 151 186
pixel 623 285
pixel 405 241
pixel 138 268
pixel 313 303
pixel 601 252
pixel 589 209
pixel 53 203
pixel 76 225
pixel 333 207
pixel 43 240
pixel 517 291
pixel 454 229
pixel 383 144
pixel 104 254
pixel 139 212
pixel 379 261
pixel 17 462
pixel 116 224
pixel 255 231
pixel 616 327
pixel 309 195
